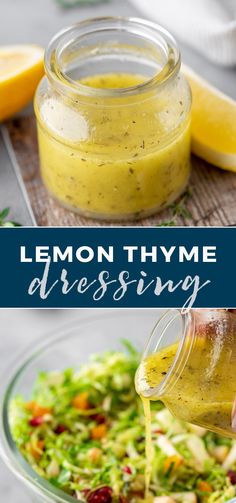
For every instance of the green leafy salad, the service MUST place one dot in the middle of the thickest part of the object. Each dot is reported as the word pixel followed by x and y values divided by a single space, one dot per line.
pixel 84 431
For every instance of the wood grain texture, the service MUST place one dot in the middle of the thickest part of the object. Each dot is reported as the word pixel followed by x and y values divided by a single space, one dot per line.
pixel 212 201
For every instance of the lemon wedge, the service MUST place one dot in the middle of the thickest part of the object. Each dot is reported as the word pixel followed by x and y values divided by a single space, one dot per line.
pixel 21 68
pixel 213 123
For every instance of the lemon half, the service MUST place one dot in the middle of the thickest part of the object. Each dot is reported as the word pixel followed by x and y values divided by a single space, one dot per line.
pixel 21 68
pixel 213 123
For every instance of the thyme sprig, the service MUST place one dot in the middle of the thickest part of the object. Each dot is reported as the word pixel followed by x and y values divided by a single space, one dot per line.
pixel 168 223
pixel 7 223
pixel 178 209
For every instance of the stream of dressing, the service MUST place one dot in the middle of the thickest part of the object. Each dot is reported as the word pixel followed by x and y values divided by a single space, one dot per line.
pixel 148 444
pixel 150 373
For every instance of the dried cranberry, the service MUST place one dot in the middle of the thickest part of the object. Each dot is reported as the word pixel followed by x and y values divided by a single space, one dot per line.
pixel 127 469
pixel 101 495
pixel 122 499
pixel 99 418
pixel 60 429
pixel 232 477
pixel 36 421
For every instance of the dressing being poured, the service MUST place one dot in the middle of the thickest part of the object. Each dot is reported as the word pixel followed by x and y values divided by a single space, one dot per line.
pixel 200 389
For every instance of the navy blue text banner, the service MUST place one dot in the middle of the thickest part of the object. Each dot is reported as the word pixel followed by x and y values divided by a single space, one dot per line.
pixel 118 267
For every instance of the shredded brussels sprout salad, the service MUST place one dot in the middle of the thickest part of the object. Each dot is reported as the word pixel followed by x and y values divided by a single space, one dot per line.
pixel 84 431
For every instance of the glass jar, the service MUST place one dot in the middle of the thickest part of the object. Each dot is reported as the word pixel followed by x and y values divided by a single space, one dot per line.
pixel 113 114
pixel 189 364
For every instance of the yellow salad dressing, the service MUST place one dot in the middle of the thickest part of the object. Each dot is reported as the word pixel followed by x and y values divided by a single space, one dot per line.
pixel 148 446
pixel 113 158
pixel 203 391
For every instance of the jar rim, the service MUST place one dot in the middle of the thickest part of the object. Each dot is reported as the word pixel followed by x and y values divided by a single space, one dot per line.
pixel 182 352
pixel 148 29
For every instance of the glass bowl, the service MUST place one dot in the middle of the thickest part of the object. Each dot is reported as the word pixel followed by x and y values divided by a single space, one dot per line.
pixel 72 345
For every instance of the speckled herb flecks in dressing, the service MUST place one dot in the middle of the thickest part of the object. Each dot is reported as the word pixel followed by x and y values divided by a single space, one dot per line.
pixel 113 160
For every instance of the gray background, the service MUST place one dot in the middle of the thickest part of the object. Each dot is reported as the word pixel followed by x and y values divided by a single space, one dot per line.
pixel 35 21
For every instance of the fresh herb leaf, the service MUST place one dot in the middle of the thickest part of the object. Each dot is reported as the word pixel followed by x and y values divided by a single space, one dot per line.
pixel 178 209
pixel 168 223
pixel 4 213
pixel 7 223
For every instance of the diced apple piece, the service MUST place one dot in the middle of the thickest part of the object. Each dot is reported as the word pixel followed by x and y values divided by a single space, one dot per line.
pixel 231 458
pixel 185 497
pixel 198 450
pixel 220 453
pixel 166 446
pixel 164 499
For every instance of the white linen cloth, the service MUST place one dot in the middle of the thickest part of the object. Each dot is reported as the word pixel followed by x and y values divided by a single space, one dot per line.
pixel 207 25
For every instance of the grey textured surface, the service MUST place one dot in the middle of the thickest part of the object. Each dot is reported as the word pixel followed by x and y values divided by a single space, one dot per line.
pixel 36 21
pixel 11 181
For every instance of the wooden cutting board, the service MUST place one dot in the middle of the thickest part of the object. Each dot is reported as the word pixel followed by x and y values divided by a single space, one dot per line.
pixel 212 201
